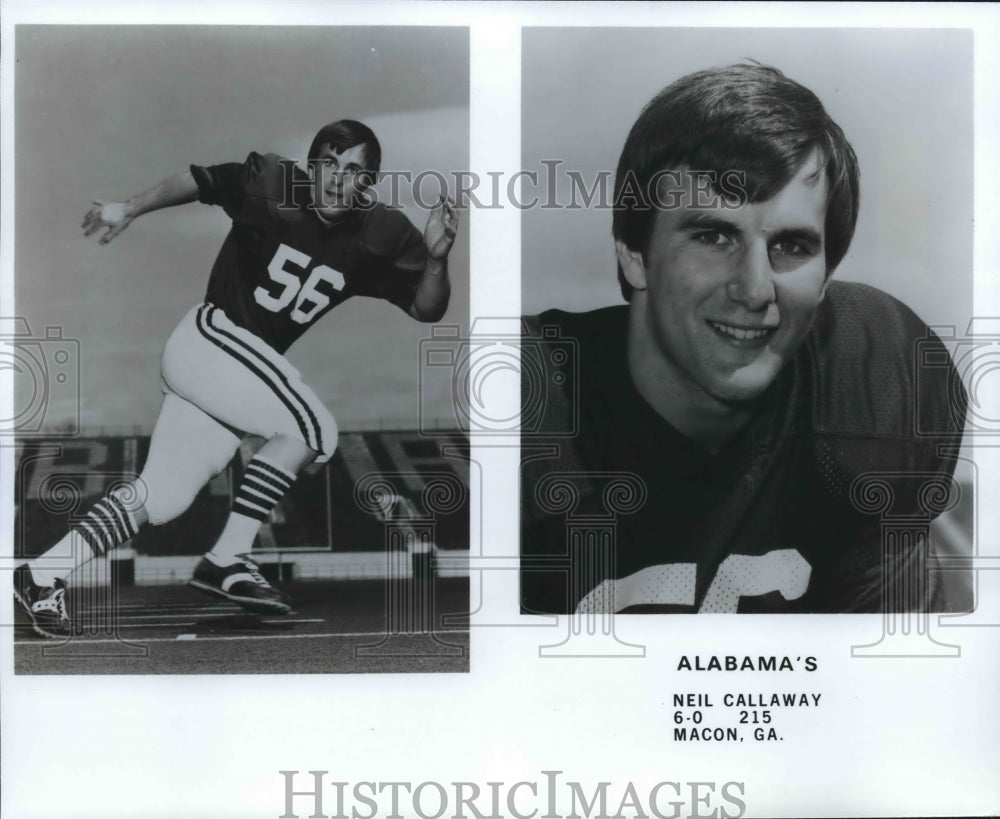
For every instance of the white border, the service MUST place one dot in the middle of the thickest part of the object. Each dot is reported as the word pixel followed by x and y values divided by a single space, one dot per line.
pixel 903 738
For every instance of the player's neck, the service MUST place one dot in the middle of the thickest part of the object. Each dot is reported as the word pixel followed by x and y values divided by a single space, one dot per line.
pixel 341 219
pixel 683 404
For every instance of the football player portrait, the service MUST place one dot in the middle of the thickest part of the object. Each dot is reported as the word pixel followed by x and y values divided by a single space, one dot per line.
pixel 301 243
pixel 727 415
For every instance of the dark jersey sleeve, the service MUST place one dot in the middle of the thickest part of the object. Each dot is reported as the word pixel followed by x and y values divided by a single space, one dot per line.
pixel 396 249
pixel 547 447
pixel 878 569
pixel 236 186
pixel 888 411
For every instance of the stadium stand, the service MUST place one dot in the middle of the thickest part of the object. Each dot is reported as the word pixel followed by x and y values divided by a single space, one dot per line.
pixel 324 528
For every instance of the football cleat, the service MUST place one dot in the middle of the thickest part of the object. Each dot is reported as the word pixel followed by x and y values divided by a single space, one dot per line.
pixel 242 583
pixel 44 605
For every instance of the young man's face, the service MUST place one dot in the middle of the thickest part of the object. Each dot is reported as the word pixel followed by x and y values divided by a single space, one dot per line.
pixel 337 181
pixel 726 296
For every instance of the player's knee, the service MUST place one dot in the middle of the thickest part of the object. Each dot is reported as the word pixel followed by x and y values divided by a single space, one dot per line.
pixel 133 496
pixel 321 436
pixel 328 440
pixel 165 502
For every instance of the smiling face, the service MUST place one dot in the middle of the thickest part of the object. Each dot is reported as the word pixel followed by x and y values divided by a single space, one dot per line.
pixel 725 297
pixel 338 181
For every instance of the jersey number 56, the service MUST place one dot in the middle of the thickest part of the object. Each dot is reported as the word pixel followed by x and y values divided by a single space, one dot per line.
pixel 308 299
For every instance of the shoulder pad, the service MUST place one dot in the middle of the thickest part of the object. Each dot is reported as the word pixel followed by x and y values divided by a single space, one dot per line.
pixel 884 393
pixel 868 356
pixel 384 231
pixel 263 174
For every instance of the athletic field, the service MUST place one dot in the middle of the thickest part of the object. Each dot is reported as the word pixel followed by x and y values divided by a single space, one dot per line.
pixel 335 627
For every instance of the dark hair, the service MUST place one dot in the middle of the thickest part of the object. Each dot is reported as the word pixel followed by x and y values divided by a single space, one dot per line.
pixel 344 134
pixel 749 118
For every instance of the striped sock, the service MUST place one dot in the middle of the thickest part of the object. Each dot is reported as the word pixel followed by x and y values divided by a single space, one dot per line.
pixel 264 485
pixel 106 526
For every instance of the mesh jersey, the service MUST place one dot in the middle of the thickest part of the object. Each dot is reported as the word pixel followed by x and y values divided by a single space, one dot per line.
pixel 280 268
pixel 775 522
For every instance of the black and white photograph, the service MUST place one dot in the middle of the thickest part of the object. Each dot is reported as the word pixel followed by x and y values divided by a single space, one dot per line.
pixel 196 490
pixel 385 387
pixel 729 303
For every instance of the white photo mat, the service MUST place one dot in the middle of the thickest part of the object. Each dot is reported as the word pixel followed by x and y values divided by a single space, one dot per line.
pixel 894 736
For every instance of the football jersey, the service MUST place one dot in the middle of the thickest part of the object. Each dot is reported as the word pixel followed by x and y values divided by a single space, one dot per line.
pixel 622 512
pixel 281 268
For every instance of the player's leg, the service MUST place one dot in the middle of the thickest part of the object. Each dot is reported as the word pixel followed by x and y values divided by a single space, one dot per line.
pixel 197 432
pixel 226 570
pixel 40 584
pixel 237 579
pixel 186 450
pixel 248 385
pixel 110 522
pixel 265 481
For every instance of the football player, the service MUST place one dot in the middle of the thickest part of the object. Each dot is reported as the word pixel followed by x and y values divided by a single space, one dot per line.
pixel 300 245
pixel 726 413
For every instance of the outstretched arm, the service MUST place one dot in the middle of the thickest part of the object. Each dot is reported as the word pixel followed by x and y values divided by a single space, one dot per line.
pixel 434 289
pixel 116 216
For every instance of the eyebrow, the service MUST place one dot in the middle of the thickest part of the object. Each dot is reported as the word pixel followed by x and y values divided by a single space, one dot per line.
pixel 328 159
pixel 807 235
pixel 699 220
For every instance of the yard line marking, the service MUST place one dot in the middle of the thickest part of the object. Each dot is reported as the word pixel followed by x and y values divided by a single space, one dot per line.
pixel 168 609
pixel 190 604
pixel 187 636
pixel 189 625
pixel 156 625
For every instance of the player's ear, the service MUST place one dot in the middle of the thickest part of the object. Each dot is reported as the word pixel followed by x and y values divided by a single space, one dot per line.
pixel 632 265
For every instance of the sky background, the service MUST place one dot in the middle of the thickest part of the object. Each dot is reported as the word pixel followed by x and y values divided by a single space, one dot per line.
pixel 107 111
pixel 903 98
